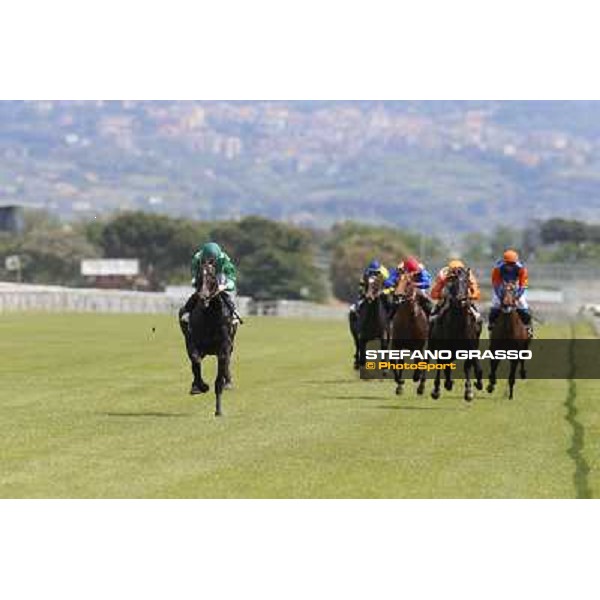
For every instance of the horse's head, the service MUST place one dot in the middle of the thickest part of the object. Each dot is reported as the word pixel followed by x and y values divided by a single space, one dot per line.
pixel 405 288
pixel 374 286
pixel 457 287
pixel 509 299
pixel 209 285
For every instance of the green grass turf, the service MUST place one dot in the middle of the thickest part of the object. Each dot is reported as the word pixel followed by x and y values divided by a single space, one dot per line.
pixel 97 406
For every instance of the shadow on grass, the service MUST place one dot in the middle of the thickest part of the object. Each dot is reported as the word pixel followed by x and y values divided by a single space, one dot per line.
pixel 146 414
pixel 399 407
pixel 330 381
pixel 354 397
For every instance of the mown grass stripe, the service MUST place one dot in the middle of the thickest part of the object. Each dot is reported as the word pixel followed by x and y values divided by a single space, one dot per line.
pixel 575 450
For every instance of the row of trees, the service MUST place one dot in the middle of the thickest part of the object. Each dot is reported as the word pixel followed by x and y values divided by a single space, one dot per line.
pixel 275 260
pixel 353 246
pixel 550 241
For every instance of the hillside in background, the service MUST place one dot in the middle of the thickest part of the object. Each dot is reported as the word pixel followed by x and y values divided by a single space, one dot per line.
pixel 439 167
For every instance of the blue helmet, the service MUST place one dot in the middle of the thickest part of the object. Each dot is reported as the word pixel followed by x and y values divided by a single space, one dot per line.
pixel 374 265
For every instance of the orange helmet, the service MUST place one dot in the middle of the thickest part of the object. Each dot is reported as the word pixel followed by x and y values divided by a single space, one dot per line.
pixel 456 264
pixel 511 256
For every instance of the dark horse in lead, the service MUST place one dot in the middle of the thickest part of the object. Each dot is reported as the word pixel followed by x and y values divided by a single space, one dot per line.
pixel 457 328
pixel 211 334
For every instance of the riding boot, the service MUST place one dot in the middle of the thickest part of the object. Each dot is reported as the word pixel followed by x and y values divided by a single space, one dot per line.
pixel 235 320
pixel 526 318
pixel 494 312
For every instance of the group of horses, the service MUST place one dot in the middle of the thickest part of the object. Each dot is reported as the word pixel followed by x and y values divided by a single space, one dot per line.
pixel 400 322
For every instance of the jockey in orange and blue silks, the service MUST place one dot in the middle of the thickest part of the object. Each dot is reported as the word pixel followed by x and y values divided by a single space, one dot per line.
pixel 510 270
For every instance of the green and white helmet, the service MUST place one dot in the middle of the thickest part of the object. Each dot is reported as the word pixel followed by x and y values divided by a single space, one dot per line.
pixel 210 251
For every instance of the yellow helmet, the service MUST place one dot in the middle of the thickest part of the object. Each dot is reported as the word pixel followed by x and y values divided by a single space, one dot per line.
pixel 511 256
pixel 456 264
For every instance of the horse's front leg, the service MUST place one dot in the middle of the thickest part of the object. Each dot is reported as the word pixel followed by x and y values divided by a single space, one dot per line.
pixel 478 374
pixel 229 378
pixel 493 368
pixel 221 380
pixel 399 381
pixel 421 386
pixel 448 383
pixel 435 392
pixel 198 385
pixel 512 377
pixel 523 370
pixel 468 384
pixel 362 352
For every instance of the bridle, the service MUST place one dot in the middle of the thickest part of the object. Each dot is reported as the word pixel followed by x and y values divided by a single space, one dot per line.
pixel 405 289
pixel 509 301
pixel 373 287
pixel 209 287
pixel 458 287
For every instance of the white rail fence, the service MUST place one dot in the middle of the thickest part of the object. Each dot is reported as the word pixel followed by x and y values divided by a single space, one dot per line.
pixel 21 297
pixel 15 297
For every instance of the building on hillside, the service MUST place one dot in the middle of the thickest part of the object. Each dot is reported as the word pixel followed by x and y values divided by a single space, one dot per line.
pixel 11 217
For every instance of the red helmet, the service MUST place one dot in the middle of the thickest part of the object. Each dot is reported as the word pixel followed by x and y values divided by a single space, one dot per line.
pixel 411 264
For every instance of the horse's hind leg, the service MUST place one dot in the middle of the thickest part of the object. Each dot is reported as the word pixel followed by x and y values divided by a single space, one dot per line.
pixel 198 385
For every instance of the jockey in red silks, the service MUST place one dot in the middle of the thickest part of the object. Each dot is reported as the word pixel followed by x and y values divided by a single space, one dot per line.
pixel 412 268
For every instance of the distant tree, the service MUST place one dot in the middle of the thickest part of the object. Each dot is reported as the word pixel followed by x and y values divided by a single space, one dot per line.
pixel 50 254
pixel 163 245
pixel 354 245
pixel 477 248
pixel 563 230
pixel 505 237
pixel 274 260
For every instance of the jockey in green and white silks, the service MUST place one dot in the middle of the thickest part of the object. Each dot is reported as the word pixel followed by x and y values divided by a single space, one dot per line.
pixel 226 275
pixel 225 269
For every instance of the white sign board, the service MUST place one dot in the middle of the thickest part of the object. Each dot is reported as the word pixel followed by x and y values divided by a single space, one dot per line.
pixel 95 267
pixel 12 263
